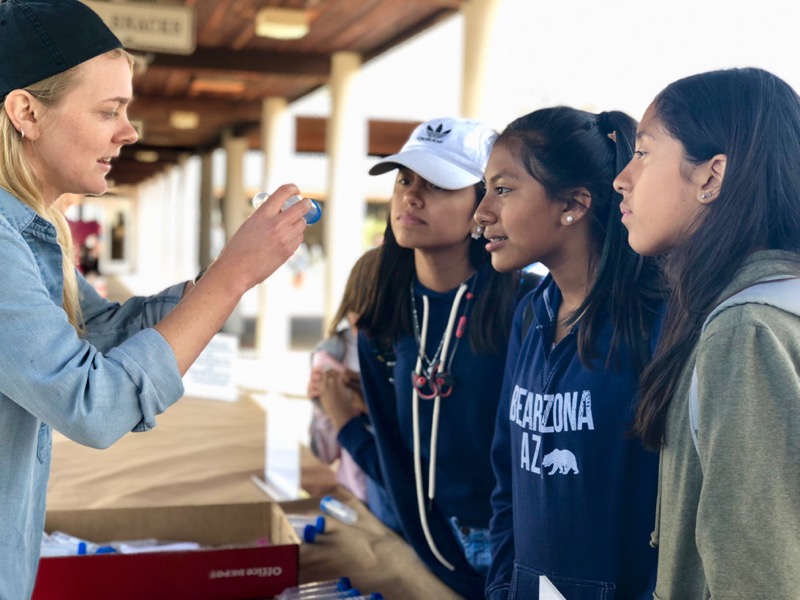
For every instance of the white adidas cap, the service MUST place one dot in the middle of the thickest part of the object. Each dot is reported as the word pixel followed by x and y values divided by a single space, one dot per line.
pixel 450 153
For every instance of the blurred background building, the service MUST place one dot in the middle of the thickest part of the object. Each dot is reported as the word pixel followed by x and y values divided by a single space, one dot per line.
pixel 238 96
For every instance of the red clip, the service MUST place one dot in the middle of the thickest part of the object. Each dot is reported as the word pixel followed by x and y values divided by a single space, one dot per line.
pixel 462 324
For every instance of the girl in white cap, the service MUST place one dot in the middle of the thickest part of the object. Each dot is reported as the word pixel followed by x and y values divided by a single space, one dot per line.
pixel 72 361
pixel 432 349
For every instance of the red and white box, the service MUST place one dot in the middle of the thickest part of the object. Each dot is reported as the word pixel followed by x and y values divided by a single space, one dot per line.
pixel 235 562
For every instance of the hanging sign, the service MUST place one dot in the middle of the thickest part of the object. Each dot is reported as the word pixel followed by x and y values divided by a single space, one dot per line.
pixel 149 27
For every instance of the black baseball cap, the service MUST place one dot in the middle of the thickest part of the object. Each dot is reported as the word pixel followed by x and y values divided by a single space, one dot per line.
pixel 41 38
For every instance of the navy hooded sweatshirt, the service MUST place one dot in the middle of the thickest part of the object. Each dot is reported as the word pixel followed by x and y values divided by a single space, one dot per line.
pixel 575 494
pixel 464 478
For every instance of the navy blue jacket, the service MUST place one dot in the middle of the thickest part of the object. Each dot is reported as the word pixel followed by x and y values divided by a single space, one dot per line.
pixel 464 478
pixel 575 494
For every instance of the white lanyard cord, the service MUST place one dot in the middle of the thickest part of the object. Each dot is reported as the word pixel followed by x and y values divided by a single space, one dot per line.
pixel 435 423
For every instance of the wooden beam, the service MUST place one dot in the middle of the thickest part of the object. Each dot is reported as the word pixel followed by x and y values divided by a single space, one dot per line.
pixel 221 59
pixel 385 137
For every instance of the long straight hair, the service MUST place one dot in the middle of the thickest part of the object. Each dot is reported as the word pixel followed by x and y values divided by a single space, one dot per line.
pixel 357 289
pixel 753 118
pixel 566 149
pixel 18 178
pixel 388 312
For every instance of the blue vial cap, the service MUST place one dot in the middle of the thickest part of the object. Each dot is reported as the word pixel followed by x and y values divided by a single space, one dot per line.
pixel 309 533
pixel 344 584
pixel 320 527
pixel 314 213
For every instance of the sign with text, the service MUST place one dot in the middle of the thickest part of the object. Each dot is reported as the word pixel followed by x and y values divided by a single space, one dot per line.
pixel 213 374
pixel 153 27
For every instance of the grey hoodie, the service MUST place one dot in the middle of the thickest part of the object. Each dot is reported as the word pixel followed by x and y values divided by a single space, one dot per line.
pixel 728 519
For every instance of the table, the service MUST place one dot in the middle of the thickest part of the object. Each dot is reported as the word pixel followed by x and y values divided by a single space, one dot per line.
pixel 205 452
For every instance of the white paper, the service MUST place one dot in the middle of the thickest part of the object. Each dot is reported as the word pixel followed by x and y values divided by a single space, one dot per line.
pixel 548 591
pixel 282 461
pixel 212 374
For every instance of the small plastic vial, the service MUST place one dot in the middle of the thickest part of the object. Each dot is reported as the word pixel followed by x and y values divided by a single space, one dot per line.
pixel 317 522
pixel 312 216
pixel 307 533
pixel 338 509
pixel 314 588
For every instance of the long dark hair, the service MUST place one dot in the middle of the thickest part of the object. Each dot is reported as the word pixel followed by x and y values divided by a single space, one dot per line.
pixel 388 313
pixel 566 149
pixel 357 289
pixel 753 118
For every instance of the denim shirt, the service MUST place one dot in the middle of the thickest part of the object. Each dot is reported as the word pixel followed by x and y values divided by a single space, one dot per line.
pixel 93 389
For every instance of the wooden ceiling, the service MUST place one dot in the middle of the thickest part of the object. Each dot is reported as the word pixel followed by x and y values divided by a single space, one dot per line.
pixel 232 71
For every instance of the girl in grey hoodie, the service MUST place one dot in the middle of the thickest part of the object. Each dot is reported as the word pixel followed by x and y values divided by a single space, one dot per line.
pixel 714 187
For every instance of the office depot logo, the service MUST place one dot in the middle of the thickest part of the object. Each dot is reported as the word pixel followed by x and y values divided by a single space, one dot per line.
pixel 248 572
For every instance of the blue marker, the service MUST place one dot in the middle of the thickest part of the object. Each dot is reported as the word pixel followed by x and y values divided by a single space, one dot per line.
pixel 312 216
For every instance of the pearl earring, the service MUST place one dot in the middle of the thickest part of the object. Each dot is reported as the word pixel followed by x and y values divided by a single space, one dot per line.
pixel 570 219
pixel 477 233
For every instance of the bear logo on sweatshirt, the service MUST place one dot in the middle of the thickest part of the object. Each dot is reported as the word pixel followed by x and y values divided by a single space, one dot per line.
pixel 562 461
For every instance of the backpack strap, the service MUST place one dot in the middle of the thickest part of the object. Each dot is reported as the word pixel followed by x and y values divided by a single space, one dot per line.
pixel 781 292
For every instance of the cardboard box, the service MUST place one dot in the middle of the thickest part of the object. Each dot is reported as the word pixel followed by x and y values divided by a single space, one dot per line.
pixel 238 571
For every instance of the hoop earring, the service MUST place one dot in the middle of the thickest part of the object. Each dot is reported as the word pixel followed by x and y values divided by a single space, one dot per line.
pixel 21 134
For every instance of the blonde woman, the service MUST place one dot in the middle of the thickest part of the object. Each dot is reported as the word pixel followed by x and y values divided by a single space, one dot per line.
pixel 72 361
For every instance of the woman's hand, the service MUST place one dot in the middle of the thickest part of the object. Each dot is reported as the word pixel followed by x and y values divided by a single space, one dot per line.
pixel 321 362
pixel 336 398
pixel 352 381
pixel 263 242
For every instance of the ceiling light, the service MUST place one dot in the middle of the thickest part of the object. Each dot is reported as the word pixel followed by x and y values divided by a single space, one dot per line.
pixel 282 23
pixel 184 119
pixel 146 156
pixel 216 85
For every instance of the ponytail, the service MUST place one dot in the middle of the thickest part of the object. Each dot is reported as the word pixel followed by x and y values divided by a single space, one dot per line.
pixel 565 150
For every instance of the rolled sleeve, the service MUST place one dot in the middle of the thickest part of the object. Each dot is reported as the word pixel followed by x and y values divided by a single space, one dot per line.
pixel 150 362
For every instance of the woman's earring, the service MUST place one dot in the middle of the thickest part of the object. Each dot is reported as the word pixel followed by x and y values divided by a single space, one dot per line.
pixel 477 233
pixel 21 134
pixel 570 219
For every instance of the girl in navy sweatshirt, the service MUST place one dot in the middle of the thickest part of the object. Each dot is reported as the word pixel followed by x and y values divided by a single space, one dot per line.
pixel 432 345
pixel 575 493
